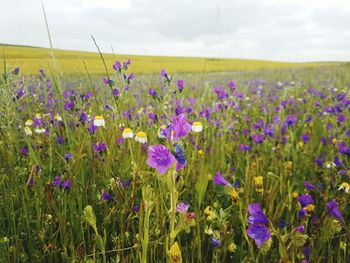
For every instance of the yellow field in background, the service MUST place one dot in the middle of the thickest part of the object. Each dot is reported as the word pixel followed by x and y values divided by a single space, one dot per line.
pixel 30 59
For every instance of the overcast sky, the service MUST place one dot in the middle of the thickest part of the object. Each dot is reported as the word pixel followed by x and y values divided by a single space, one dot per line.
pixel 285 30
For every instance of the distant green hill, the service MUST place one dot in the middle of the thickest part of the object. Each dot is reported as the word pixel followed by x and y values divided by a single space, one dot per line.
pixel 30 59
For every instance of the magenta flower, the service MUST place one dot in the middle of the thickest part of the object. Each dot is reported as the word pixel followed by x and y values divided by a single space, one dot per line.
pixel 182 207
pixel 160 158
pixel 259 233
pixel 220 180
pixel 180 126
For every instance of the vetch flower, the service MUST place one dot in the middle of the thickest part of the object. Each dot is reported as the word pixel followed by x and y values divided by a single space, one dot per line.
pixel 197 126
pixel 160 158
pixel 141 137
pixel 127 133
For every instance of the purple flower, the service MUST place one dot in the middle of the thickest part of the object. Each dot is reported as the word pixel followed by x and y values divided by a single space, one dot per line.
pixel 220 180
pixel 256 215
pixel 305 200
pixel 259 233
pixel 57 181
pixel 180 84
pixel 152 92
pixel 68 156
pixel 160 158
pixel 319 161
pixel 66 184
pixel 220 93
pixel 216 242
pixel 180 126
pixel 182 207
pixel 232 85
pixel 24 151
pixel 179 156
pixel 337 161
pixel 333 209
pixel 305 138
pixel 309 186
pixel 291 120
pixel 117 66
pixel 136 208
pixel 300 229
pixel 243 147
pixel 106 196
pixel 258 138
pixel 115 92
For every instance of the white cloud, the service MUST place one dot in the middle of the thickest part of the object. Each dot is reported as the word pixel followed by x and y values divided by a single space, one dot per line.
pixel 292 30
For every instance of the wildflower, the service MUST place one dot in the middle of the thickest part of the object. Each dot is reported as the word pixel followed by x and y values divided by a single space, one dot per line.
pixel 197 126
pixel 175 254
pixel 127 133
pixel 256 215
pixel 160 158
pixel 117 66
pixel 28 123
pixel 105 196
pixel 66 184
pixel 220 180
pixel 39 130
pixel 259 233
pixel 289 165
pixel 208 211
pixel 305 200
pixel 291 120
pixel 57 181
pixel 68 156
pixel 259 186
pixel 232 247
pixel 58 117
pixel 234 196
pixel 99 147
pixel 179 156
pixel 309 186
pixel 141 137
pixel 161 131
pixel 333 209
pixel 182 207
pixel 24 150
pixel 99 121
pixel 243 147
pixel 344 186
pixel 295 195
pixel 136 208
pixel 28 131
pixel 216 242
pixel 179 126
pixel 180 85
pixel 116 92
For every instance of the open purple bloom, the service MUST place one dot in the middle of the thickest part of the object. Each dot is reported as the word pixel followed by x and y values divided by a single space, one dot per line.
pixel 333 209
pixel 160 158
pixel 68 156
pixel 182 207
pixel 180 126
pixel 305 200
pixel 256 215
pixel 291 120
pixel 216 242
pixel 259 233
pixel 220 180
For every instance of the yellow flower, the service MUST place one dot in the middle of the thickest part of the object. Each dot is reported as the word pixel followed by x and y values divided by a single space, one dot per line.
pixel 295 195
pixel 232 247
pixel 99 121
pixel 259 186
pixel 344 186
pixel 197 126
pixel 200 152
pixel 127 133
pixel 309 208
pixel 234 196
pixel 141 137
pixel 300 144
pixel 208 211
pixel 289 165
pixel 334 140
pixel 58 117
pixel 175 254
